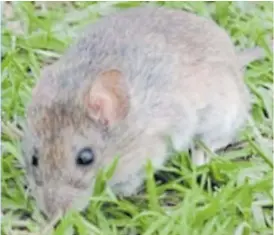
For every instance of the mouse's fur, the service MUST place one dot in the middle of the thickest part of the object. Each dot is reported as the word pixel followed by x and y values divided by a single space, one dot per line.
pixel 134 79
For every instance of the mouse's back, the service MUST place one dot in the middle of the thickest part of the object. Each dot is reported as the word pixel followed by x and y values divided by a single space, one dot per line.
pixel 167 30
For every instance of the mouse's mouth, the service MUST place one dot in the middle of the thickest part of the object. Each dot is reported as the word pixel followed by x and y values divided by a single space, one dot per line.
pixel 72 200
pixel 54 221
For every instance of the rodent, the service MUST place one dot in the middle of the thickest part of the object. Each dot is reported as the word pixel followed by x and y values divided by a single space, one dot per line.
pixel 132 80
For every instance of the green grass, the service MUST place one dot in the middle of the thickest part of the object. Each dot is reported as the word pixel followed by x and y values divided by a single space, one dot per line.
pixel 231 195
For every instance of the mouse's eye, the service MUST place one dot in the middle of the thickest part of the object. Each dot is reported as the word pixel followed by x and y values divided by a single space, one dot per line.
pixel 34 159
pixel 85 157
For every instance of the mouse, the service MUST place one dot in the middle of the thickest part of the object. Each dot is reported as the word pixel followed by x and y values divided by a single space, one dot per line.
pixel 133 84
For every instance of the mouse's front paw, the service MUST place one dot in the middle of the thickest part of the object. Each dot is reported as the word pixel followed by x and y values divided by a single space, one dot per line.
pixel 199 157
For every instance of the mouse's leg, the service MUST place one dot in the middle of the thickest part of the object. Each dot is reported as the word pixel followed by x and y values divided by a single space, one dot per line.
pixel 199 157
pixel 214 142
pixel 183 133
pixel 130 172
pixel 216 137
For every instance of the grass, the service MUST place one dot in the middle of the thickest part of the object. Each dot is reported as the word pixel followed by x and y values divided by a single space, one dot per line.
pixel 233 194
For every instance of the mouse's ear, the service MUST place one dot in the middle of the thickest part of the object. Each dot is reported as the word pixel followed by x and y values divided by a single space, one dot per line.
pixel 107 100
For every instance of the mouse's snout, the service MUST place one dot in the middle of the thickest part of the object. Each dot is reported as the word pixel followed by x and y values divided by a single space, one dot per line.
pixel 56 199
pixel 53 200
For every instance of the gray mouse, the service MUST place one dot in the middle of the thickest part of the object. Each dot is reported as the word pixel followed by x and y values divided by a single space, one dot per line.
pixel 133 80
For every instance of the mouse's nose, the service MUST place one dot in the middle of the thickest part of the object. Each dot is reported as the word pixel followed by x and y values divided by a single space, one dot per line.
pixel 60 199
pixel 57 200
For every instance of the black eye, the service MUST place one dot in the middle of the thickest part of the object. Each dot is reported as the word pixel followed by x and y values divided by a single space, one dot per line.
pixel 85 157
pixel 34 160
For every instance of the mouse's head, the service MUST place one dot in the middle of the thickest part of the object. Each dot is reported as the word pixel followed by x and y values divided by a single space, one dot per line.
pixel 65 142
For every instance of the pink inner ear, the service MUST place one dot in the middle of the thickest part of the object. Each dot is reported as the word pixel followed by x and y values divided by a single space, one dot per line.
pixel 107 100
pixel 95 106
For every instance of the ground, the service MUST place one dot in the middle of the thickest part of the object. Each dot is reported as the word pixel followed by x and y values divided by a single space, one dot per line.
pixel 231 195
